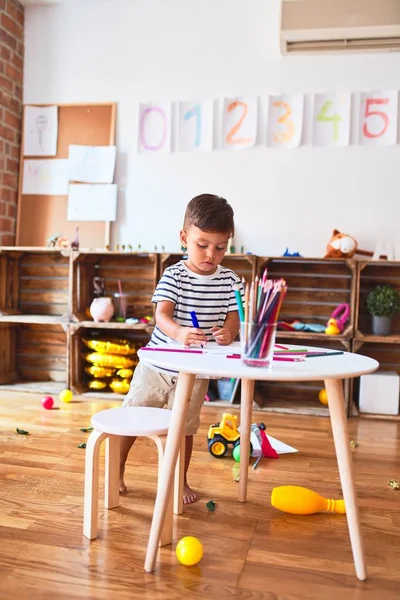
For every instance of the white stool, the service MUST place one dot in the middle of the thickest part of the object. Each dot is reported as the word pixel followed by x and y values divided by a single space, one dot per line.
pixel 110 425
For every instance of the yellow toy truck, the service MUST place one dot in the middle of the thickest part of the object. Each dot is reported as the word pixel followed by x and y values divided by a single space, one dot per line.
pixel 221 434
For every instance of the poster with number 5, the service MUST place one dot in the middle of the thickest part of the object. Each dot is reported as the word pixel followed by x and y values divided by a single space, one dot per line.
pixel 378 118
pixel 331 119
pixel 154 129
pixel 239 123
pixel 285 120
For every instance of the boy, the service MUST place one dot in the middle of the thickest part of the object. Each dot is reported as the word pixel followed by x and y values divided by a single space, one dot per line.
pixel 197 284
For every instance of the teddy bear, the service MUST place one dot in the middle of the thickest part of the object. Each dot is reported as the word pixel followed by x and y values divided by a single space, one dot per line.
pixel 341 245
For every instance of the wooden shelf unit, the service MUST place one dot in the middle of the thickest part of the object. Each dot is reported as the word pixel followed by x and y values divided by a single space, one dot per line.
pixel 384 349
pixel 45 294
pixel 34 283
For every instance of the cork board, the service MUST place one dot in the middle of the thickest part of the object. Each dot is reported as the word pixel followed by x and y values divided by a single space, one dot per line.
pixel 40 216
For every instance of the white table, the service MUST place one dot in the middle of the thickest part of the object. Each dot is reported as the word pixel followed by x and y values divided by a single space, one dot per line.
pixel 331 369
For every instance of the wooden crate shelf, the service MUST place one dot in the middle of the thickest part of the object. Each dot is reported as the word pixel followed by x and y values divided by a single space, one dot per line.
pixel 138 274
pixel 77 350
pixel 315 288
pixel 387 353
pixel 300 397
pixel 34 283
pixel 34 358
pixel 369 275
pixel 244 265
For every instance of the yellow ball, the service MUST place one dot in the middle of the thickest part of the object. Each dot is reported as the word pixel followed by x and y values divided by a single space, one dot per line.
pixel 189 551
pixel 65 396
pixel 323 397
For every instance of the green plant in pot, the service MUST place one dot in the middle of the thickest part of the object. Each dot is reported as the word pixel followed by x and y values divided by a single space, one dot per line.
pixel 383 303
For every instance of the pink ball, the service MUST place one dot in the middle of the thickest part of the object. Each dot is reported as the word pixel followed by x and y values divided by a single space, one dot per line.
pixel 47 402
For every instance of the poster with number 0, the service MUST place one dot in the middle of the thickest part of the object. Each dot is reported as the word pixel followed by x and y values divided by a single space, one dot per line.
pixel 154 127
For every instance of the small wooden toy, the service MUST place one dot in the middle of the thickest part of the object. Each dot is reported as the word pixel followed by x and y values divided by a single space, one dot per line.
pixel 302 501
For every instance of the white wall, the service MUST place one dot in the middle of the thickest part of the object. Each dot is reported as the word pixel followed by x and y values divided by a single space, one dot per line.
pixel 139 50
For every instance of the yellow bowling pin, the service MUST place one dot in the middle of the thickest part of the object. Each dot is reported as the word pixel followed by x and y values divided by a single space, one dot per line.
pixel 302 501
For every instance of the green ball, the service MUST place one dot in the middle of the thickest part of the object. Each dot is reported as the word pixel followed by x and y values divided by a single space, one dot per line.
pixel 236 453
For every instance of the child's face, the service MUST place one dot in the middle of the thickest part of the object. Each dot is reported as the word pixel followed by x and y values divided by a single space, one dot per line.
pixel 205 250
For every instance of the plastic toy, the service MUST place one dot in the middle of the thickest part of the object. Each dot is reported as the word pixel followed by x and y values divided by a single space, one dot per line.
pixel 287 253
pixel 266 449
pixel 189 551
pixel 102 309
pixel 337 321
pixel 223 433
pixel 47 402
pixel 66 396
pixel 303 501
pixel 323 397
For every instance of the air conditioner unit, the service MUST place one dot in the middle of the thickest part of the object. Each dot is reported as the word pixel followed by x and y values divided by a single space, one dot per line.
pixel 319 26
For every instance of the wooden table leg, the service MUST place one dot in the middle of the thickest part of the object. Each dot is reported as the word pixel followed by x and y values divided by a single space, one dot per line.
pixel 176 430
pixel 246 408
pixel 334 389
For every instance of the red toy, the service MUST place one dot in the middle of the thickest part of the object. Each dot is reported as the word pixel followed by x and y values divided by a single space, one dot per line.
pixel 47 402
pixel 266 448
pixel 341 319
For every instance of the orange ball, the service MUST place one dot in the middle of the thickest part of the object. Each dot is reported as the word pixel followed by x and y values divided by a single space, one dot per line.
pixel 323 397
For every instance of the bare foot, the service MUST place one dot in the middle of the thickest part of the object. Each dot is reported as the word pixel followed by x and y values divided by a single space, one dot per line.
pixel 188 495
pixel 122 487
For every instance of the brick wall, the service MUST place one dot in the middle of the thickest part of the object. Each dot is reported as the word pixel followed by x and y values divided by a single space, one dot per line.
pixel 11 81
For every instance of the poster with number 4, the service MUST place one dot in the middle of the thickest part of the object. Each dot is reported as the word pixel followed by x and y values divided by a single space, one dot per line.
pixel 378 118
pixel 331 119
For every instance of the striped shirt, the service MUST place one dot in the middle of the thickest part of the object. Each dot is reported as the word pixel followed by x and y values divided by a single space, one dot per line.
pixel 210 296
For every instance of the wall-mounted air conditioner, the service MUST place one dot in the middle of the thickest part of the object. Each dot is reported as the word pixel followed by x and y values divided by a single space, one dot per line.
pixel 315 26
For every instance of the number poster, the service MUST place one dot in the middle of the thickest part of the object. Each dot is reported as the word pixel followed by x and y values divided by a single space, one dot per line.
pixel 242 123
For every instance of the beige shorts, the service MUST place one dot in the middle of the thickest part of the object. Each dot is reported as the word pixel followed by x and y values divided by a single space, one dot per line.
pixel 151 388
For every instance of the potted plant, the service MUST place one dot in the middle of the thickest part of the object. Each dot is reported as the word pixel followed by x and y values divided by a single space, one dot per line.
pixel 383 303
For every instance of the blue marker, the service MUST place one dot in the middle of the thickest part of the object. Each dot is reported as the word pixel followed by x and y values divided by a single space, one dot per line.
pixel 195 321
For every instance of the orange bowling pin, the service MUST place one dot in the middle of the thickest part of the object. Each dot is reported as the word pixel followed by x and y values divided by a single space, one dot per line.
pixel 302 501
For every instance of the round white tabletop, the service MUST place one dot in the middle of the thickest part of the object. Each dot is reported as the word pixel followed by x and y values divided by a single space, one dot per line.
pixel 214 362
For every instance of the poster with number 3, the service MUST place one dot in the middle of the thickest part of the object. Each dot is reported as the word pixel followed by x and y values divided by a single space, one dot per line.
pixel 285 120
pixel 331 119
pixel 378 118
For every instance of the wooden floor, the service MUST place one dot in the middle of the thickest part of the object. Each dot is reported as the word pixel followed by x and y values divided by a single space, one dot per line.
pixel 251 551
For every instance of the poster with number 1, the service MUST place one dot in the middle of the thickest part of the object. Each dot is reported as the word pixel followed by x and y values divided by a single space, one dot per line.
pixel 331 119
pixel 195 126
pixel 378 118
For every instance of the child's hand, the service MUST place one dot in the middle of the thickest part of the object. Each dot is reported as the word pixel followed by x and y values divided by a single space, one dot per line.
pixel 222 335
pixel 190 335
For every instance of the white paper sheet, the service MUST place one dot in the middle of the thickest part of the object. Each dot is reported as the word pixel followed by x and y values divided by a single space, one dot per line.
pixel 92 202
pixel 154 131
pixel 278 446
pixel 239 123
pixel 285 120
pixel 378 118
pixel 331 119
pixel 45 177
pixel 91 164
pixel 195 126
pixel 40 130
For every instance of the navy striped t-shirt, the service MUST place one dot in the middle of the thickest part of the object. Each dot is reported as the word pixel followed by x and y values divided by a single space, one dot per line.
pixel 210 296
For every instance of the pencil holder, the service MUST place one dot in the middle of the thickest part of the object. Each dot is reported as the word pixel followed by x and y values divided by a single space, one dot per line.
pixel 257 343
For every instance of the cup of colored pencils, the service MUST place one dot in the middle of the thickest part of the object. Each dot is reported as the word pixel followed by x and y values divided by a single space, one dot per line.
pixel 258 319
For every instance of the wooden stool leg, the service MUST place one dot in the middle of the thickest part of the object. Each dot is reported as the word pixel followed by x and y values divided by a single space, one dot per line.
pixel 334 389
pixel 183 394
pixel 166 533
pixel 246 409
pixel 111 498
pixel 91 494
pixel 179 479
